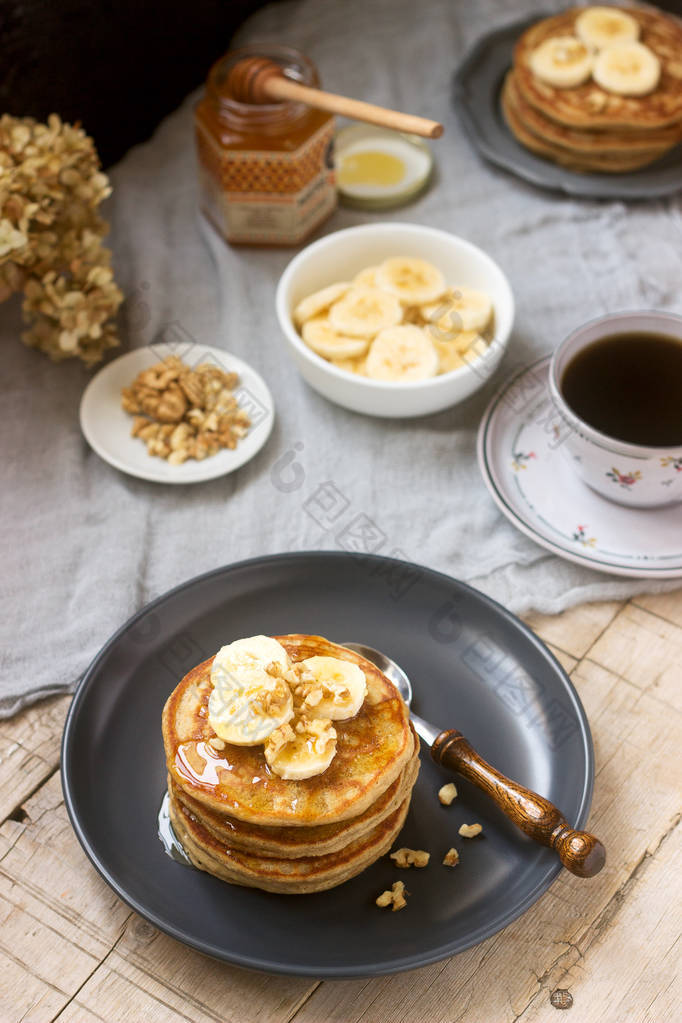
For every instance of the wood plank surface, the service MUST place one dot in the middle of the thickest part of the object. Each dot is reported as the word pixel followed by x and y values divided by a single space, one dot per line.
pixel 71 951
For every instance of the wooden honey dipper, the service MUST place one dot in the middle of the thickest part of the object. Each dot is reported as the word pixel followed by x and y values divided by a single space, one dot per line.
pixel 259 80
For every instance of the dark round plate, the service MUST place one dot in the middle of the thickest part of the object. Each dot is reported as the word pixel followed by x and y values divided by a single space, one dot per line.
pixel 473 666
pixel 477 85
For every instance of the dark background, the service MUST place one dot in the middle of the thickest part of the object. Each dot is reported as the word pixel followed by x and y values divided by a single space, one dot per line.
pixel 118 67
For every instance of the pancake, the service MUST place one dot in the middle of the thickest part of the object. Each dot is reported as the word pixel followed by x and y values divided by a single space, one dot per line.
pixel 291 876
pixel 290 843
pixel 372 750
pixel 579 160
pixel 619 142
pixel 587 106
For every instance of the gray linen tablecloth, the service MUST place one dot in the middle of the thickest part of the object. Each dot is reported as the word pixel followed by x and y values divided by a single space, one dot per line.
pixel 85 546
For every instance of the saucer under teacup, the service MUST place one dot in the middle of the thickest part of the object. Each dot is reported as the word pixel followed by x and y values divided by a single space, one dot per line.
pixel 519 452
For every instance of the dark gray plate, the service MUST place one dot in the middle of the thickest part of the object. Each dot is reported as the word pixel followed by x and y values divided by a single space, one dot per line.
pixel 477 85
pixel 473 666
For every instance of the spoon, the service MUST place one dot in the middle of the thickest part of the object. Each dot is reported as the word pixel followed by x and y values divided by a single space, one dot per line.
pixel 580 852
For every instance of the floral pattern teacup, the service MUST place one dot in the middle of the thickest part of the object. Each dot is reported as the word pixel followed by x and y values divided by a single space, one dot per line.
pixel 630 474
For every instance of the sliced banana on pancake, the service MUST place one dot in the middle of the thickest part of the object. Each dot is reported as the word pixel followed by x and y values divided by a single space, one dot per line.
pixel 248 702
pixel 337 691
pixel 412 281
pixel 319 302
pixel 460 309
pixel 599 27
pixel 402 354
pixel 319 335
pixel 363 312
pixel 628 69
pixel 562 61
pixel 301 751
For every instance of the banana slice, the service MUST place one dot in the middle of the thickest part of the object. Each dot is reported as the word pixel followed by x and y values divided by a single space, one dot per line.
pixel 319 335
pixel 628 69
pixel 402 354
pixel 460 309
pixel 413 281
pixel 337 690
pixel 356 366
pixel 248 701
pixel 318 302
pixel 452 353
pixel 363 312
pixel 367 277
pixel 301 751
pixel 599 27
pixel 562 61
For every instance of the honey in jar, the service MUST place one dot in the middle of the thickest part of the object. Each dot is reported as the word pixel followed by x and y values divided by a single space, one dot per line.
pixel 265 170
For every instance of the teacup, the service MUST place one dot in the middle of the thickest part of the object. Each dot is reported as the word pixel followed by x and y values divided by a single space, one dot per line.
pixel 631 474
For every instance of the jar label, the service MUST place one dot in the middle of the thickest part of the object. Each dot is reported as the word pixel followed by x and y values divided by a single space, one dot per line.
pixel 270 197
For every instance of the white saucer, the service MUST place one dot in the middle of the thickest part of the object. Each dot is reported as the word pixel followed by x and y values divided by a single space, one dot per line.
pixel 534 485
pixel 107 427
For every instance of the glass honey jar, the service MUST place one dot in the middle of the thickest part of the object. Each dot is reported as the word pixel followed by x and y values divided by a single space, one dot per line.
pixel 266 171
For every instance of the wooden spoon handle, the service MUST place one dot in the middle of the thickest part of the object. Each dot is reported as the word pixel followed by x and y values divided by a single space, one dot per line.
pixel 278 87
pixel 580 852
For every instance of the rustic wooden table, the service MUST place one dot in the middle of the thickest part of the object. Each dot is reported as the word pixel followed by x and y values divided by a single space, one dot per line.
pixel 71 951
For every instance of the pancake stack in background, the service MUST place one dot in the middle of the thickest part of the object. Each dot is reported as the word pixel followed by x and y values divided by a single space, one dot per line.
pixel 231 807
pixel 598 88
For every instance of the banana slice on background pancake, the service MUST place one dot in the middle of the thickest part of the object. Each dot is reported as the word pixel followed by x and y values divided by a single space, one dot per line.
pixel 562 61
pixel 627 69
pixel 599 27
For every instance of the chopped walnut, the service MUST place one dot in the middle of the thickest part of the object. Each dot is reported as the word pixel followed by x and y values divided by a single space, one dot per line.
pixel 410 858
pixel 273 700
pixel 447 793
pixel 280 738
pixel 470 830
pixel 216 743
pixel 394 897
pixel 183 413
pixel 451 858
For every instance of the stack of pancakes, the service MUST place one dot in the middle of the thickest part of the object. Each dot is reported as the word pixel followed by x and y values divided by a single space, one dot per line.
pixel 238 820
pixel 587 128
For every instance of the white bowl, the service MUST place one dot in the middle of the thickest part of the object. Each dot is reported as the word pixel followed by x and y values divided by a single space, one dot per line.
pixel 341 255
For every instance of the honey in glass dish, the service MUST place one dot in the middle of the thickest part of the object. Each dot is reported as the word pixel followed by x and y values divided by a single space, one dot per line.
pixel 266 171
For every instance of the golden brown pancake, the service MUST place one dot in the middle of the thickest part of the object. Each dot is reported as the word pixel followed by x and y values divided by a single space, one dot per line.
pixel 372 750
pixel 576 159
pixel 289 843
pixel 293 876
pixel 617 142
pixel 587 106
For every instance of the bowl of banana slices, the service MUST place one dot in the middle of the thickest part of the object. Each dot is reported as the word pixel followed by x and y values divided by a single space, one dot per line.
pixel 395 320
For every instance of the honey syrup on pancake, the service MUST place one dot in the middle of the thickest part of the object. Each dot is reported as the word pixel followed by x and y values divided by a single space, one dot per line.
pixel 169 840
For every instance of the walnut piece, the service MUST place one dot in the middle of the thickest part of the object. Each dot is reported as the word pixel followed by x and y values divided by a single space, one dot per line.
pixel 410 858
pixel 451 858
pixel 470 830
pixel 394 897
pixel 183 413
pixel 447 793
pixel 216 743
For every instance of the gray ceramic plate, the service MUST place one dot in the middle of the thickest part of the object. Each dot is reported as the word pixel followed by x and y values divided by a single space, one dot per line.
pixel 473 666
pixel 477 85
